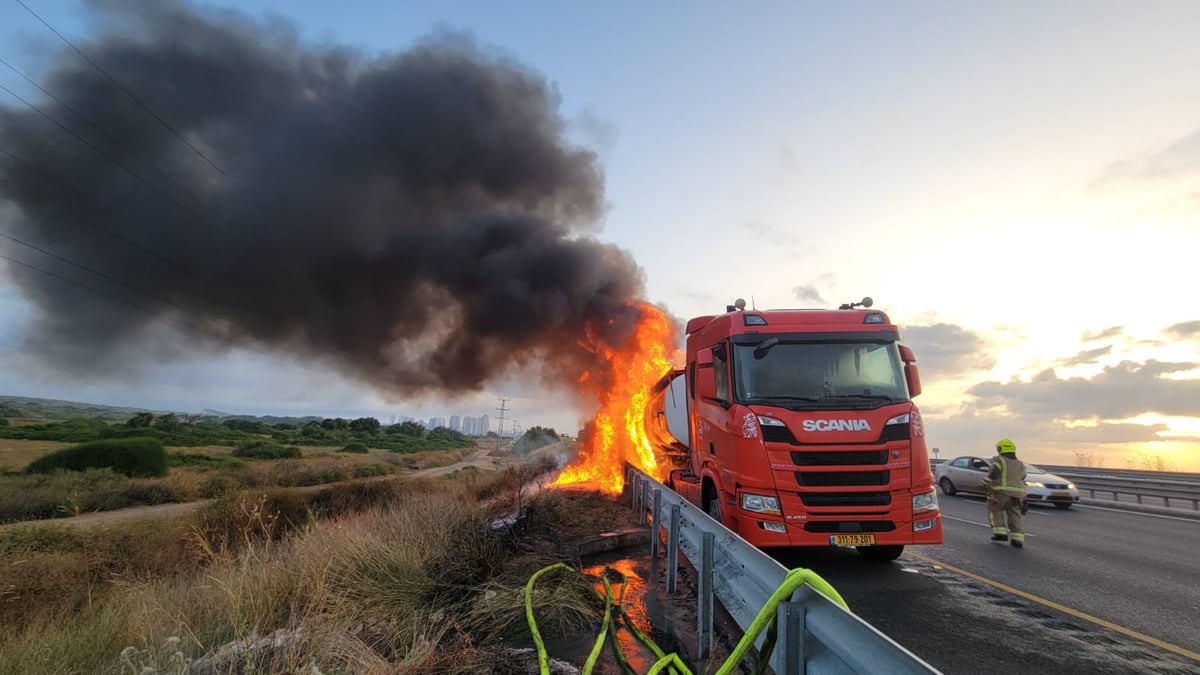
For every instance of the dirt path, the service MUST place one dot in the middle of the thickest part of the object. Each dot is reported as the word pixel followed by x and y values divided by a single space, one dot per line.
pixel 481 459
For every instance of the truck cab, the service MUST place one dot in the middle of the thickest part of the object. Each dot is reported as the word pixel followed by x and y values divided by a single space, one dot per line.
pixel 801 430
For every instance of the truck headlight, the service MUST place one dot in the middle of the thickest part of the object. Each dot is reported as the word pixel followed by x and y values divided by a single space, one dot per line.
pixel 770 421
pixel 761 504
pixel 925 502
pixel 899 419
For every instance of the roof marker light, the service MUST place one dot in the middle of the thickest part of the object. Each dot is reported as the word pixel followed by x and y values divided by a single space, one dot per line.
pixel 873 317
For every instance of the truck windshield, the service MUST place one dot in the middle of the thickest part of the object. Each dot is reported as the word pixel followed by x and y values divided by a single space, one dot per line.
pixel 819 374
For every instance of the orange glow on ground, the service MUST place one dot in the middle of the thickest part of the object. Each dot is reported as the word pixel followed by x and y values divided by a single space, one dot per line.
pixel 617 434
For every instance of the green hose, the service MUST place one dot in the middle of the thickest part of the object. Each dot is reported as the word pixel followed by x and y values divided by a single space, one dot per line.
pixel 543 659
pixel 765 620
pixel 793 581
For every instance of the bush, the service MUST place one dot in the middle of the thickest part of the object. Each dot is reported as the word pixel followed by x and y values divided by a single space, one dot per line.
pixel 3 421
pixel 129 456
pixel 355 447
pixel 266 450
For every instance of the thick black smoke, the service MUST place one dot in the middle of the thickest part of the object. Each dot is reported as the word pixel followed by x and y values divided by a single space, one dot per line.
pixel 418 219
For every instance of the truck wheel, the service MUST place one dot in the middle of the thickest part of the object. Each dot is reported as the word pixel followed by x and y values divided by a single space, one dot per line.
pixel 947 486
pixel 881 553
pixel 714 509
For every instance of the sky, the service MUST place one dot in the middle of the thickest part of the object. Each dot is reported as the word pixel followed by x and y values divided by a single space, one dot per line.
pixel 1015 184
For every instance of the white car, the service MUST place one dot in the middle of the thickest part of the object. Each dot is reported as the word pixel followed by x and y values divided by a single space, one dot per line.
pixel 966 474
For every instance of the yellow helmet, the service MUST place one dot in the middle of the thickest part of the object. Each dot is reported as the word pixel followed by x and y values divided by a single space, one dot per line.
pixel 1006 446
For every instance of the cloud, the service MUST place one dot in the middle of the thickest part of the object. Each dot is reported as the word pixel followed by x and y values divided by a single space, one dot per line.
pixel 947 351
pixel 1122 391
pixel 1187 330
pixel 808 293
pixel 1086 357
pixel 1103 334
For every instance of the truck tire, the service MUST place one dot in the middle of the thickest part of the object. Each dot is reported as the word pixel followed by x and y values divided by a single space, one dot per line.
pixel 714 509
pixel 881 553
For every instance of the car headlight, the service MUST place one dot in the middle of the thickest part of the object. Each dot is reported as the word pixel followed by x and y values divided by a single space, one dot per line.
pixel 1035 484
pixel 925 502
pixel 1070 486
pixel 761 504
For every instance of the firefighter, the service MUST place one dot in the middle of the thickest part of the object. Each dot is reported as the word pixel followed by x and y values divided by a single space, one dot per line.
pixel 1006 492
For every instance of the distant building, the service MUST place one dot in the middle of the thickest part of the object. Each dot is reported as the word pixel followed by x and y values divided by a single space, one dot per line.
pixel 455 423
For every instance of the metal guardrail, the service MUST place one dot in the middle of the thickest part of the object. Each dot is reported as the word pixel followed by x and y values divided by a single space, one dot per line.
pixel 815 635
pixel 1139 486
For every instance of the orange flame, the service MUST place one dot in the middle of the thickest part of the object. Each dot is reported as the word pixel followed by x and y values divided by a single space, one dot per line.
pixel 617 434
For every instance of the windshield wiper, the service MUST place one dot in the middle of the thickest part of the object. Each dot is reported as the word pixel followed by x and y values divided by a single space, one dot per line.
pixel 867 397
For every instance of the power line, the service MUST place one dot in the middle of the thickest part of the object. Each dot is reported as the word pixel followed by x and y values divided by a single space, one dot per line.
pixel 90 270
pixel 102 132
pixel 128 93
pixel 125 240
pixel 110 296
pixel 107 156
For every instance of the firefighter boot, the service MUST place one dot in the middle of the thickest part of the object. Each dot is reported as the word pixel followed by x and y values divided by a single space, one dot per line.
pixel 1018 540
pixel 1000 537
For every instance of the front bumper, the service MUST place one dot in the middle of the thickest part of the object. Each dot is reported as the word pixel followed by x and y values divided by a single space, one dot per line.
pixel 1051 496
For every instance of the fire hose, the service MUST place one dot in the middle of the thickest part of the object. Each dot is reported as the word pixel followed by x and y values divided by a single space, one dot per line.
pixel 765 620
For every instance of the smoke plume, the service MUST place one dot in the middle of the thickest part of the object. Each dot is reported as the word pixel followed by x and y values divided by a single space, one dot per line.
pixel 419 220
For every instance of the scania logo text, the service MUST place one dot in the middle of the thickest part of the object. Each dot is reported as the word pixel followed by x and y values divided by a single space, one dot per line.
pixel 836 425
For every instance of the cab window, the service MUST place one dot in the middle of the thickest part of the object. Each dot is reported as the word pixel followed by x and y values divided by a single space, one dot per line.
pixel 721 371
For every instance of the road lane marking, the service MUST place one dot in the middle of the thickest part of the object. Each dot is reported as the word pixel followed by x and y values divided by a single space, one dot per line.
pixel 1127 632
pixel 1137 513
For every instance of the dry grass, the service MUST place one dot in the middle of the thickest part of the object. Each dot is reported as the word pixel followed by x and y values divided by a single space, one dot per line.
pixel 416 582
pixel 15 454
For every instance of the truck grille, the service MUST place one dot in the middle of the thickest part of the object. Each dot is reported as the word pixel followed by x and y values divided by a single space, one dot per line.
pixel 842 477
pixel 849 526
pixel 846 498
pixel 839 458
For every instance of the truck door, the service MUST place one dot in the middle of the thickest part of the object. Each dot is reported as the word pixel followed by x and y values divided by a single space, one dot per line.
pixel 720 431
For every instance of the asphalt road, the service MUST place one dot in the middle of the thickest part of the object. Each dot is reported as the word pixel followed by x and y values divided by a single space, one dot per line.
pixel 1094 591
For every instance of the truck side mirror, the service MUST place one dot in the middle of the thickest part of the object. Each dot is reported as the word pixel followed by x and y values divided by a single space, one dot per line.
pixel 906 354
pixel 913 377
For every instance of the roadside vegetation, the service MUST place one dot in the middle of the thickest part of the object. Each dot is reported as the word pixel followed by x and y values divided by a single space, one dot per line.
pixel 395 576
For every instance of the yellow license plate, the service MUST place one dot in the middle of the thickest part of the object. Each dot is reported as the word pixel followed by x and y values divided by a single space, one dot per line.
pixel 1060 494
pixel 851 540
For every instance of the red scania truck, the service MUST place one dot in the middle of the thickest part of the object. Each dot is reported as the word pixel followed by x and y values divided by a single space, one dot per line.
pixel 797 428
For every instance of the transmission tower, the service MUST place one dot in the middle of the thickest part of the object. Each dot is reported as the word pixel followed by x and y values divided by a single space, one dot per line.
pixel 503 409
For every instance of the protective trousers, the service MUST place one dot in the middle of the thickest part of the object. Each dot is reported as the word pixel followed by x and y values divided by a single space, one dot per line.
pixel 1005 506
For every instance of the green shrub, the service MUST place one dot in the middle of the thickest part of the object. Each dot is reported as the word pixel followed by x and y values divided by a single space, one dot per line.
pixel 368 471
pixel 3 421
pixel 355 447
pixel 266 450
pixel 129 456
pixel 198 460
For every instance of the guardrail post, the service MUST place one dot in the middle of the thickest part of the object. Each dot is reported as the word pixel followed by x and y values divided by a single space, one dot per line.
pixel 704 599
pixel 1139 498
pixel 790 640
pixel 673 549
pixel 655 524
pixel 644 501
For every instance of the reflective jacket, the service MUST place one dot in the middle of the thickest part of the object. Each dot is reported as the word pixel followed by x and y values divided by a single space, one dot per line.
pixel 1007 475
